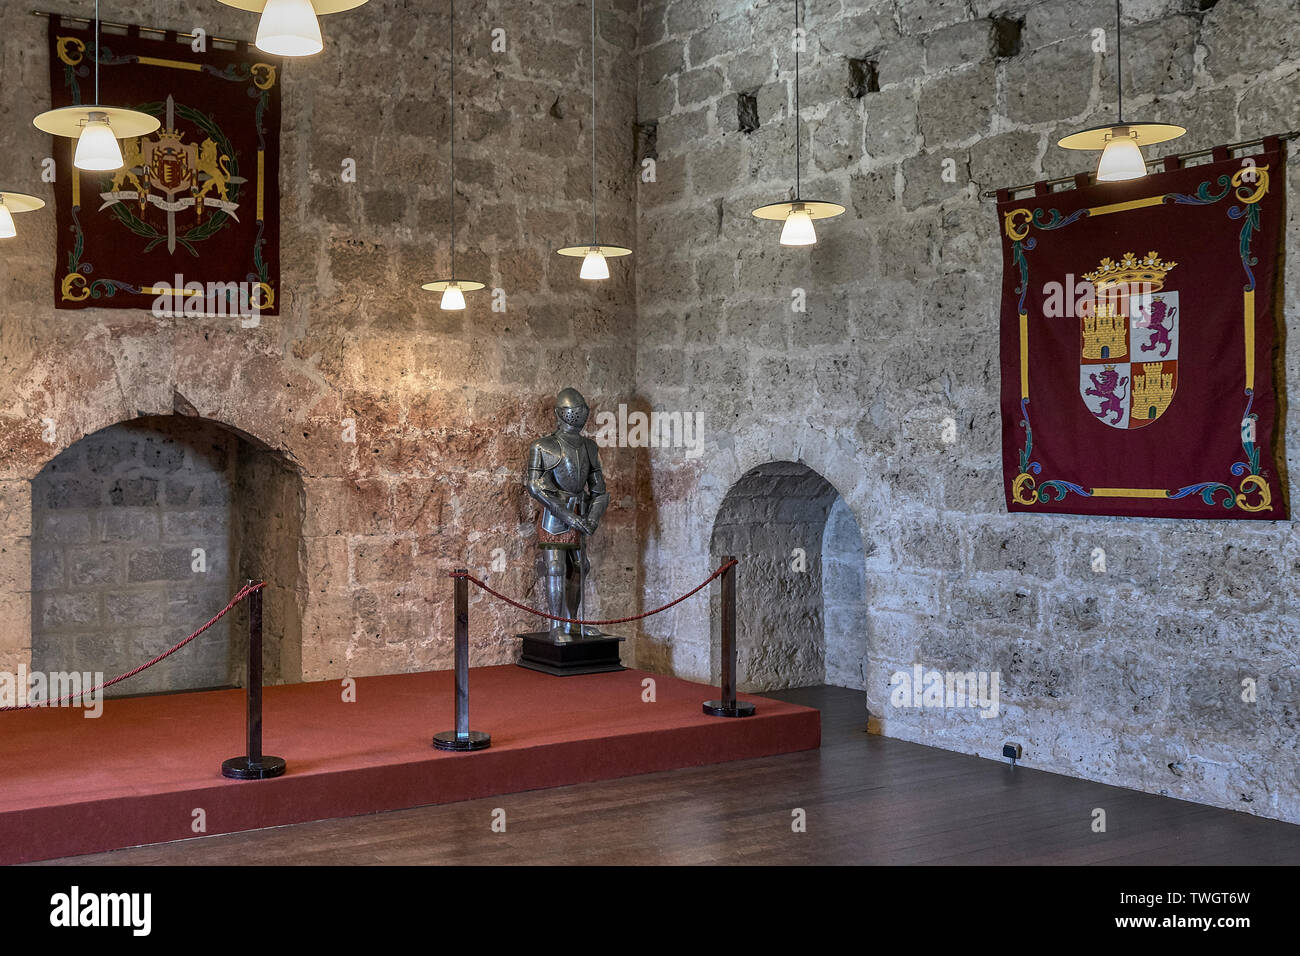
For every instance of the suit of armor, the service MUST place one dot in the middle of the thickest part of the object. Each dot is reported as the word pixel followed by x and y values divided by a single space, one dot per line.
pixel 564 477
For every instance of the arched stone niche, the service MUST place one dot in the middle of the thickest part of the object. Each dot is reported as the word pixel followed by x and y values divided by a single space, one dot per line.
pixel 141 532
pixel 801 608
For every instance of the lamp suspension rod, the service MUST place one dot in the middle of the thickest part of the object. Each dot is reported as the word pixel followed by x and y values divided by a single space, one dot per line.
pixel 96 52
pixel 1119 66
pixel 798 188
pixel 1195 154
pixel 127 26
pixel 593 122
pixel 451 199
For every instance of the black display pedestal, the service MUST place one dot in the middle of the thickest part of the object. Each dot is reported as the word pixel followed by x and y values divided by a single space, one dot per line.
pixel 581 655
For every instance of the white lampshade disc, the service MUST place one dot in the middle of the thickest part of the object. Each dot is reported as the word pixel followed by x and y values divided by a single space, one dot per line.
pixel 441 285
pixel 321 6
pixel 580 252
pixel 814 208
pixel 1144 134
pixel 21 202
pixel 71 120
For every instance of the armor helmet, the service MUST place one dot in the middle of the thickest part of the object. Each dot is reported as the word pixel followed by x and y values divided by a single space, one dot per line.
pixel 571 408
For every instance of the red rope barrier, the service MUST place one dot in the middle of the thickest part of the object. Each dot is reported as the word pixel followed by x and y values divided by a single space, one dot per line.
pixel 573 620
pixel 244 592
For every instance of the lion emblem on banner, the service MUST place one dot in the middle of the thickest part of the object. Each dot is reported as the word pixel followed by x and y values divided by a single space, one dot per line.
pixel 1128 341
pixel 164 177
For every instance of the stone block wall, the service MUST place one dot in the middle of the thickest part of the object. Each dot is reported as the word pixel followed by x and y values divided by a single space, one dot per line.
pixel 773 521
pixel 1133 676
pixel 267 545
pixel 844 598
pixel 405 425
pixel 117 519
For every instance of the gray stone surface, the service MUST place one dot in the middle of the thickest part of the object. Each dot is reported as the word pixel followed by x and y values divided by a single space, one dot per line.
pixel 794 605
pixel 1111 674
pixel 114 560
pixel 844 598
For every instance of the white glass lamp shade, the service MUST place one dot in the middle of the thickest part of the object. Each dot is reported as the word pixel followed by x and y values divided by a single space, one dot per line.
pixel 289 28
pixel 594 266
pixel 453 300
pixel 97 148
pixel 11 203
pixel 798 229
pixel 1120 160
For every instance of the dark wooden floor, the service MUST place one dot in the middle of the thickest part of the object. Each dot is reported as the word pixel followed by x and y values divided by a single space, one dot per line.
pixel 867 799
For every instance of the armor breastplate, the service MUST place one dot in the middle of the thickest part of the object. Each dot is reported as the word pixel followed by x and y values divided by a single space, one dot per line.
pixel 567 469
pixel 570 472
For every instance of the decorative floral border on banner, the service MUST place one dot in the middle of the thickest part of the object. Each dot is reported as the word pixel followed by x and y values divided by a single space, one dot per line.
pixel 1017 224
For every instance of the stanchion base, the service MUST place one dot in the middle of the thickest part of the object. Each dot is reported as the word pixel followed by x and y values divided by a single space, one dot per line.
pixel 718 708
pixel 242 768
pixel 450 740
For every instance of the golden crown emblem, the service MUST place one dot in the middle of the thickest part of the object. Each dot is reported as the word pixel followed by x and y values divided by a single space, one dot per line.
pixel 1148 271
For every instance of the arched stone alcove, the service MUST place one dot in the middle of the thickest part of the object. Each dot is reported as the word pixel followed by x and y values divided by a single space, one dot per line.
pixel 844 598
pixel 142 531
pixel 801 607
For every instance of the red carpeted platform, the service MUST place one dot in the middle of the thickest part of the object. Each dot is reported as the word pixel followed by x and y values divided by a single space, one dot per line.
pixel 135 775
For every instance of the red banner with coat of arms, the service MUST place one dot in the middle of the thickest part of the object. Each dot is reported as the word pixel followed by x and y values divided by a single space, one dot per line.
pixel 1140 374
pixel 192 220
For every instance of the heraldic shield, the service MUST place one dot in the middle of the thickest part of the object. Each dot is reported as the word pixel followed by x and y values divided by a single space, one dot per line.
pixel 1128 341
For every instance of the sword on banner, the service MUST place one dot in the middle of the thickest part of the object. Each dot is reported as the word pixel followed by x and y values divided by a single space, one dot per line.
pixel 171 213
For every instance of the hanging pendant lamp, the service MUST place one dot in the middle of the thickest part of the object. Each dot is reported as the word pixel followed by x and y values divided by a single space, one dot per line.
pixel 96 127
pixel 1121 143
pixel 11 203
pixel 453 290
pixel 798 213
pixel 291 27
pixel 595 253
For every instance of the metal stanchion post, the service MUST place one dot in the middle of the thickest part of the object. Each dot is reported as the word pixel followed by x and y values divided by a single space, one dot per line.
pixel 253 765
pixel 728 706
pixel 462 738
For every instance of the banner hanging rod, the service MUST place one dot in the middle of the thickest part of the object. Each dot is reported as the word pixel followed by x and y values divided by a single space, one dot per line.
pixel 129 26
pixel 991 193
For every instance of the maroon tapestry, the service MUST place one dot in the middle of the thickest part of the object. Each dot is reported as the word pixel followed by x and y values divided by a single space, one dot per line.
pixel 194 216
pixel 1139 329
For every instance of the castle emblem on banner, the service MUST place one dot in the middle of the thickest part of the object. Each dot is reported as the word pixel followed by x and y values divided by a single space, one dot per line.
pixel 164 176
pixel 1128 355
